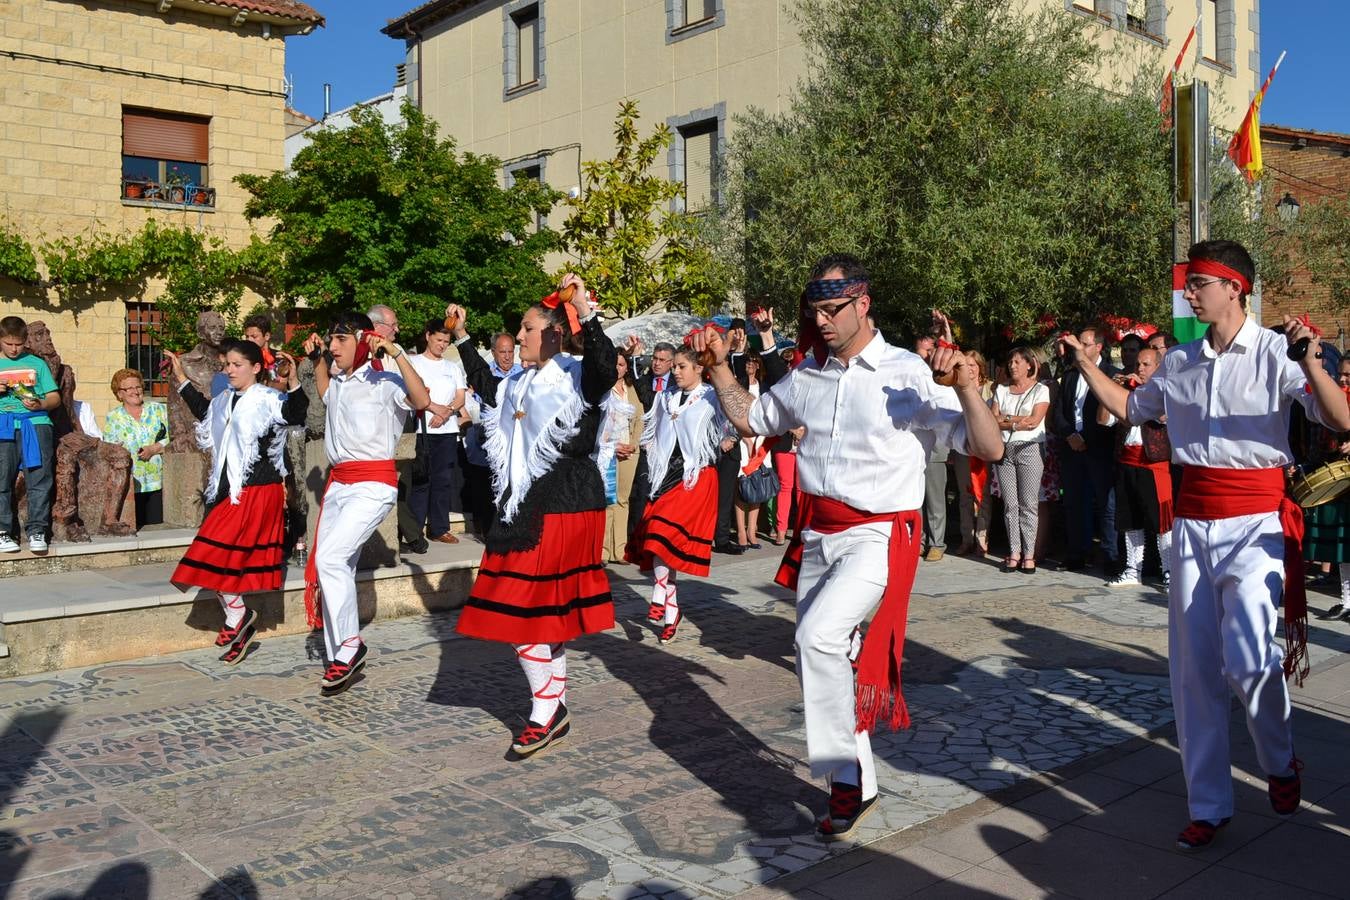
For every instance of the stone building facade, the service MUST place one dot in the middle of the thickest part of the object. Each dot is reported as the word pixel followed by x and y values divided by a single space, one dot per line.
pixel 105 104
pixel 1306 168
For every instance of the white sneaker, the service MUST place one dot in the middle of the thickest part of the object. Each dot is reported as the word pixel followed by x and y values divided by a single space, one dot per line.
pixel 37 543
pixel 8 544
pixel 1125 579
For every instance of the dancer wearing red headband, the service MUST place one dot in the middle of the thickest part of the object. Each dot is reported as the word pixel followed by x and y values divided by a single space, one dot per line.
pixel 683 435
pixel 542 582
pixel 873 414
pixel 1235 540
pixel 366 410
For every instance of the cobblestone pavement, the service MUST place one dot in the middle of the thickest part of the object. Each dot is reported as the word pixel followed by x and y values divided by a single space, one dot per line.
pixel 683 776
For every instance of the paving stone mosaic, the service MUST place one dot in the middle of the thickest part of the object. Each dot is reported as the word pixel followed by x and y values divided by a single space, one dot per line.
pixel 684 775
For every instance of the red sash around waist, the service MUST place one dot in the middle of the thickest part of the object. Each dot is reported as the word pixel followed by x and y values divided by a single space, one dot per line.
pixel 1209 494
pixel 878 691
pixel 1133 455
pixel 351 472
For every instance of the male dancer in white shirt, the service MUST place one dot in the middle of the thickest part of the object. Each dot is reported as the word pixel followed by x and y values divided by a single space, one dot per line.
pixel 366 409
pixel 873 414
pixel 1227 398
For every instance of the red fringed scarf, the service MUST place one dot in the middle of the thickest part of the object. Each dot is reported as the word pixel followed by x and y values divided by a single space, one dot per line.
pixel 381 470
pixel 879 694
pixel 1208 494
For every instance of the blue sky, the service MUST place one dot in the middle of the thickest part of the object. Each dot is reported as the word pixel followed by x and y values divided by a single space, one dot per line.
pixel 1310 89
pixel 1309 92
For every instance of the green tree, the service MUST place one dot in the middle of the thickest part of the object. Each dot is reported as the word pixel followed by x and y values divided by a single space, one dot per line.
pixel 629 245
pixel 960 148
pixel 392 214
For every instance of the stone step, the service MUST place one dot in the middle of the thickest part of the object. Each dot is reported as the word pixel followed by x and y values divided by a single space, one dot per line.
pixel 94 615
pixel 156 544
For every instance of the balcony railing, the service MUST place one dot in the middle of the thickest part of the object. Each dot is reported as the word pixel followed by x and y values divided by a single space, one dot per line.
pixel 137 191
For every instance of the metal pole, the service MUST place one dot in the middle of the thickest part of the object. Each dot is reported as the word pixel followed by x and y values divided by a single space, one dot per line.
pixel 1199 174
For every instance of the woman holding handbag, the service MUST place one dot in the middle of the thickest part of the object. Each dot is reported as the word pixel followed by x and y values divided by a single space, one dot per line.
pixel 683 434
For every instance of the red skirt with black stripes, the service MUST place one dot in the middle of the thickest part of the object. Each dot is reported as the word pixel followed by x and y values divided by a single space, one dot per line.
pixel 238 549
pixel 547 595
pixel 678 526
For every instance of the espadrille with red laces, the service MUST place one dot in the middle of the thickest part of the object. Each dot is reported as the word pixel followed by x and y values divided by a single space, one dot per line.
pixel 656 612
pixel 668 631
pixel 847 809
pixel 535 737
pixel 1286 791
pixel 228 635
pixel 338 676
pixel 1199 834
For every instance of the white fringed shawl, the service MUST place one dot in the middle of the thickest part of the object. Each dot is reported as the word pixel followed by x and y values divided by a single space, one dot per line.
pixel 698 426
pixel 521 450
pixel 619 414
pixel 233 436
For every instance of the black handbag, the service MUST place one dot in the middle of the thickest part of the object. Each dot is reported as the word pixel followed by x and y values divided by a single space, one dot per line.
pixel 760 486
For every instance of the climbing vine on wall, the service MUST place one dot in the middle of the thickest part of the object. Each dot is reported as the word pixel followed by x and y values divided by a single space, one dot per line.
pixel 201 272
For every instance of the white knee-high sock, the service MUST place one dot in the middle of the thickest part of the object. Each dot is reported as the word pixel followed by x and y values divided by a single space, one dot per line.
pixel 672 601
pixel 1134 553
pixel 663 582
pixel 233 604
pixel 1165 552
pixel 538 662
pixel 558 671
pixel 1345 583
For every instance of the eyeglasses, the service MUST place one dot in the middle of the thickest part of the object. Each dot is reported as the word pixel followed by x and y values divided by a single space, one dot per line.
pixel 1195 284
pixel 829 312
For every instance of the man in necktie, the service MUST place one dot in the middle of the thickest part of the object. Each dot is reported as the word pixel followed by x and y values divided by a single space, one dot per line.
pixel 648 386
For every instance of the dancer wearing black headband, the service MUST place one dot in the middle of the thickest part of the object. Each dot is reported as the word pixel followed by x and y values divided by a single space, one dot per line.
pixel 541 582
pixel 872 414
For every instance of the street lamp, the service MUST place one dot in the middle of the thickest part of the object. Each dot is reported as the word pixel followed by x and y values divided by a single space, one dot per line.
pixel 1288 207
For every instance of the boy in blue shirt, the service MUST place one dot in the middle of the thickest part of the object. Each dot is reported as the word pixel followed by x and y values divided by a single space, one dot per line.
pixel 27 393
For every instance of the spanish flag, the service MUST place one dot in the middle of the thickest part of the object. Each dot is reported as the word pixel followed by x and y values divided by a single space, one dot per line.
pixel 1245 148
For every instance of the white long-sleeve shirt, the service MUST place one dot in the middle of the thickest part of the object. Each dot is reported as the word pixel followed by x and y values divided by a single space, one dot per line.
pixel 1227 410
pixel 870 425
pixel 366 412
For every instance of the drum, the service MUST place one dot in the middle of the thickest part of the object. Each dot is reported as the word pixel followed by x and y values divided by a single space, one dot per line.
pixel 1323 485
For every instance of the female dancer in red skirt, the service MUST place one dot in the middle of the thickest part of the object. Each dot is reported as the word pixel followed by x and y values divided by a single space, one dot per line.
pixel 238 549
pixel 684 432
pixel 542 582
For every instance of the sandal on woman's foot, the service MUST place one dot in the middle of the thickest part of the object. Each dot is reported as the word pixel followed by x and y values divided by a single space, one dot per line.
pixel 1009 564
pixel 656 612
pixel 1028 567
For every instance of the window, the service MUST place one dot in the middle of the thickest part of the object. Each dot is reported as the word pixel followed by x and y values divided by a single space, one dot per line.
pixel 1218 32
pixel 700 165
pixel 531 170
pixel 143 353
pixel 524 46
pixel 699 10
pixel 686 18
pixel 165 158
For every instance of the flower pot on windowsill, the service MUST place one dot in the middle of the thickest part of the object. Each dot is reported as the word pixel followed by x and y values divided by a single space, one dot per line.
pixel 201 198
pixel 177 194
pixel 133 190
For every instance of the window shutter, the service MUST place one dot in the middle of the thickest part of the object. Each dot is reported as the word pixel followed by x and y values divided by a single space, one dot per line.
pixel 698 164
pixel 164 135
pixel 527 48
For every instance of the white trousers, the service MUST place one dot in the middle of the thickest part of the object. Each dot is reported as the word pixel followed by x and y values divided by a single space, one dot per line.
pixel 841 580
pixel 1227 576
pixel 351 513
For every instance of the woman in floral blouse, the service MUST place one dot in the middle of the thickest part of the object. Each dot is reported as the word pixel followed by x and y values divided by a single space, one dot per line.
pixel 143 428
